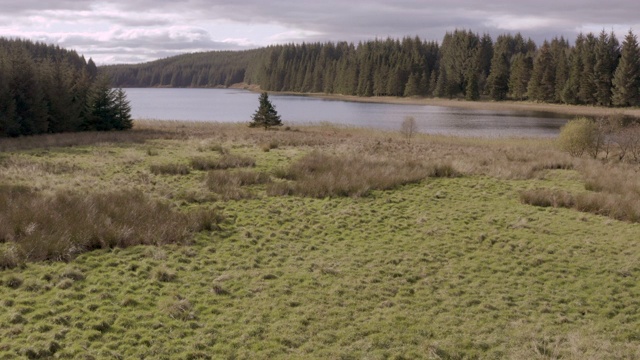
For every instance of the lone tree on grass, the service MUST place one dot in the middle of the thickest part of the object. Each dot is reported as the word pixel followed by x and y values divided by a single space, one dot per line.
pixel 266 115
pixel 408 127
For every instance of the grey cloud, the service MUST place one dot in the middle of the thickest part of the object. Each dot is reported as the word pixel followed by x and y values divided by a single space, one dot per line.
pixel 336 20
pixel 357 19
pixel 13 7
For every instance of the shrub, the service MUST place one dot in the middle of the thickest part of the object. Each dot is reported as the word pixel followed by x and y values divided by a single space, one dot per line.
pixel 579 136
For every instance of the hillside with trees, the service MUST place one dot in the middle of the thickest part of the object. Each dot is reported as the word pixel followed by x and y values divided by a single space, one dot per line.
pixel 47 89
pixel 594 70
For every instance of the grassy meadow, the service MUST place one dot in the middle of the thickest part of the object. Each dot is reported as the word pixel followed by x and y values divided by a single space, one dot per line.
pixel 216 241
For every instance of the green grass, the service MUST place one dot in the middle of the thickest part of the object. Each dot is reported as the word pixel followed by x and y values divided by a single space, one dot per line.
pixel 439 268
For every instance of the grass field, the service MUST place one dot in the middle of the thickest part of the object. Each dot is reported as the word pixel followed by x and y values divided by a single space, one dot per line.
pixel 422 249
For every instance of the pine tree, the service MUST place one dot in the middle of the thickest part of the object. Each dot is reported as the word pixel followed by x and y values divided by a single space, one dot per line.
pixel 498 81
pixel 542 84
pixel 572 86
pixel 606 56
pixel 412 88
pixel 266 116
pixel 626 81
pixel 559 53
pixel 101 106
pixel 121 110
pixel 520 76
pixel 587 90
pixel 8 121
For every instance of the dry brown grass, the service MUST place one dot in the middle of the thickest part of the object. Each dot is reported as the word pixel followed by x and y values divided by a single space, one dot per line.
pixel 83 138
pixel 36 227
pixel 225 161
pixel 169 169
pixel 321 175
pixel 229 184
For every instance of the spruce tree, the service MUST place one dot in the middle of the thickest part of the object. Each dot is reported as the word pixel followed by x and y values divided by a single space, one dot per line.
pixel 121 110
pixel 412 88
pixel 498 80
pixel 606 56
pixel 266 116
pixel 572 86
pixel 586 93
pixel 542 84
pixel 626 81
pixel 520 75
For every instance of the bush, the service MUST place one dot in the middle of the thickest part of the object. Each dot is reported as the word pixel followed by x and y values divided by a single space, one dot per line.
pixel 579 136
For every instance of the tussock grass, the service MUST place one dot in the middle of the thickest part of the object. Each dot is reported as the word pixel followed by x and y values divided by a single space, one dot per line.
pixel 612 205
pixel 169 169
pixel 220 179
pixel 229 184
pixel 225 161
pixel 322 175
pixel 447 268
pixel 58 227
pixel 613 190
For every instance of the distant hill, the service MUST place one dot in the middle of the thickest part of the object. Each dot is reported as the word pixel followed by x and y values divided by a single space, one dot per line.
pixel 206 69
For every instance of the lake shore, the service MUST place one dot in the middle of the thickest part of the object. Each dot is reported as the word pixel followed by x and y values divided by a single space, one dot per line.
pixel 578 110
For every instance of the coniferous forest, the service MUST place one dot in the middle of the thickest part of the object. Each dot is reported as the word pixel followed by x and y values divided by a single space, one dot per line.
pixel 594 70
pixel 47 89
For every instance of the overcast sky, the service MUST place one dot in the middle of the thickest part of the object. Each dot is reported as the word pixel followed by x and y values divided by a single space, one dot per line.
pixel 130 31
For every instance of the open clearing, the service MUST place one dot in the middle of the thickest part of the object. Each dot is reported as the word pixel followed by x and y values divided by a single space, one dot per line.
pixel 448 266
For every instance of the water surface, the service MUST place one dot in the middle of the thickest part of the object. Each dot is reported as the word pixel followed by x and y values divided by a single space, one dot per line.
pixel 232 105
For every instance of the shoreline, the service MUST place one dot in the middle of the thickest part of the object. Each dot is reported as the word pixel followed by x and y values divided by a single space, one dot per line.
pixel 564 109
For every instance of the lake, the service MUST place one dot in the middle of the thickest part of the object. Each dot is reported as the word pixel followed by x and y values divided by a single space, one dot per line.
pixel 233 105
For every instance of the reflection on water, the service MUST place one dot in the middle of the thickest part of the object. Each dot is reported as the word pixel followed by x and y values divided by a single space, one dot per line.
pixel 228 105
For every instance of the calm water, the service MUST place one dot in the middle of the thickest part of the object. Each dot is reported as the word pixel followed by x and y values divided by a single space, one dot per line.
pixel 229 105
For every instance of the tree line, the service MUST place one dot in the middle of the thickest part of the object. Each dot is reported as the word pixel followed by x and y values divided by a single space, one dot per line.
pixel 209 69
pixel 48 89
pixel 594 70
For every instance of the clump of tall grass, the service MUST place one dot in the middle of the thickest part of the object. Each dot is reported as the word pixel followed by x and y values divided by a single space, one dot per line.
pixel 606 204
pixel 220 179
pixel 169 169
pixel 225 161
pixel 36 227
pixel 321 175
pixel 229 183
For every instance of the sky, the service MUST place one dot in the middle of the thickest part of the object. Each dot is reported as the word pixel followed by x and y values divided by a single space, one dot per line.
pixel 134 31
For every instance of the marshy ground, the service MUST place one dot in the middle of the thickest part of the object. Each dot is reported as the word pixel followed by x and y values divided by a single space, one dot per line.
pixel 314 242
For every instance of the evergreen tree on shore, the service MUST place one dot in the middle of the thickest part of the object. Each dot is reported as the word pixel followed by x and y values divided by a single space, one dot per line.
pixel 266 116
pixel 626 80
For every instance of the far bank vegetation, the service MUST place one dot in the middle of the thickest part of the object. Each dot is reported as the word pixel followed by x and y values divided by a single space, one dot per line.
pixel 593 69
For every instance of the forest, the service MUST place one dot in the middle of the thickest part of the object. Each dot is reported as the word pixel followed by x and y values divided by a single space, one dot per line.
pixel 48 89
pixel 594 70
